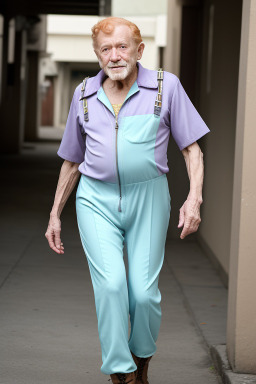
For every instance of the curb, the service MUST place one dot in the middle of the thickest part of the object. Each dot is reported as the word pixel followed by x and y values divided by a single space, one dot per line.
pixel 219 357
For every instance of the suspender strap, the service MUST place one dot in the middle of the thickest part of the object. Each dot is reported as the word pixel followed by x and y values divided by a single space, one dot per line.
pixel 85 105
pixel 158 101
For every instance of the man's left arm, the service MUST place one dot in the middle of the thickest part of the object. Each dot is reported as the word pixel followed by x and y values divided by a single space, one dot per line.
pixel 189 217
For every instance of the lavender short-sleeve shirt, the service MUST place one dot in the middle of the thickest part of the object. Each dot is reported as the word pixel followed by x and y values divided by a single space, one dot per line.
pixel 187 125
pixel 142 140
pixel 72 146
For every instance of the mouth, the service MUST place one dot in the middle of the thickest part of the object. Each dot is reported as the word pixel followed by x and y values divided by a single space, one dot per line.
pixel 117 67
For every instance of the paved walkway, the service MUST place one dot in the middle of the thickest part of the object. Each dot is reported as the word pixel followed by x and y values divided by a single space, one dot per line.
pixel 48 324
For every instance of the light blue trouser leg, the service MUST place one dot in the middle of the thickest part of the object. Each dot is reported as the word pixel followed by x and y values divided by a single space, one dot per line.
pixel 145 237
pixel 143 224
pixel 103 244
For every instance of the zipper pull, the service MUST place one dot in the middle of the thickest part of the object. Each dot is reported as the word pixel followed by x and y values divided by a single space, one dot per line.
pixel 116 124
pixel 119 205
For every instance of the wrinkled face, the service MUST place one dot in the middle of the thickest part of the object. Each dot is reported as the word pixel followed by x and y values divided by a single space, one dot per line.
pixel 118 53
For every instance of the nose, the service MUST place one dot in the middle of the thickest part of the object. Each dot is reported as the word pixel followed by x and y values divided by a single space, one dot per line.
pixel 114 55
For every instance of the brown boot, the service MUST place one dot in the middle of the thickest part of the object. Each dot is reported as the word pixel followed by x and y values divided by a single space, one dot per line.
pixel 142 368
pixel 123 378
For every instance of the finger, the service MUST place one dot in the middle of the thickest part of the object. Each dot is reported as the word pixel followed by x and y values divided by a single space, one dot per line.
pixel 190 226
pixel 194 225
pixel 50 237
pixel 187 227
pixel 53 247
pixel 57 238
pixel 181 217
pixel 184 233
pixel 61 248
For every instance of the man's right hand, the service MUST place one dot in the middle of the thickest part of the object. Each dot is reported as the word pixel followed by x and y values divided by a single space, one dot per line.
pixel 69 174
pixel 53 234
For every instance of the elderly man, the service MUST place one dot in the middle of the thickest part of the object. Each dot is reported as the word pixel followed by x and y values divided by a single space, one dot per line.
pixel 116 138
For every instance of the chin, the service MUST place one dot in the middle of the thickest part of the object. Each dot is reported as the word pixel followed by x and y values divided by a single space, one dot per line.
pixel 117 76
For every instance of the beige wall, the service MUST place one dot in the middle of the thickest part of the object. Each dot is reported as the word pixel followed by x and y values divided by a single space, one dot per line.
pixel 218 106
pixel 177 176
pixel 125 8
pixel 241 326
pixel 172 50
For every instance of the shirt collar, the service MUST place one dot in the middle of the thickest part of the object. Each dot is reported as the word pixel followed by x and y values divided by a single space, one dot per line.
pixel 146 78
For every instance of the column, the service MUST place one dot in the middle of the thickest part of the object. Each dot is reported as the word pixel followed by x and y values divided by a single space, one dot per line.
pixel 241 326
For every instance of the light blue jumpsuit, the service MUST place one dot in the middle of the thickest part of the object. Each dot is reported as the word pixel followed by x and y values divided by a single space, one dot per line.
pixel 123 197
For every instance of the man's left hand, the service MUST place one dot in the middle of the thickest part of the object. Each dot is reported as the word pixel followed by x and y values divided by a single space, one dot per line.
pixel 189 216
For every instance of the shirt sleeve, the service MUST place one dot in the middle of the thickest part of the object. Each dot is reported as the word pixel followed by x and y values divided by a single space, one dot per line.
pixel 187 126
pixel 72 146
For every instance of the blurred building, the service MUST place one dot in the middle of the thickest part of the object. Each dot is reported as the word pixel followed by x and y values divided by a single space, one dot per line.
pixel 69 48
pixel 69 44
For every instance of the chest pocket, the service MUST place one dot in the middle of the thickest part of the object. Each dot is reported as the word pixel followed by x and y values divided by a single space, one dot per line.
pixel 140 129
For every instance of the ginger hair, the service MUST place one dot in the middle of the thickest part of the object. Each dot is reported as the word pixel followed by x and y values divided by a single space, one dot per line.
pixel 108 24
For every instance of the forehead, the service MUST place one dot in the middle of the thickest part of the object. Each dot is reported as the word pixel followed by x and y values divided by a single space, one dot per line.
pixel 120 32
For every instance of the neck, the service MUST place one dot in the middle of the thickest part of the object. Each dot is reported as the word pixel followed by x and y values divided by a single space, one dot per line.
pixel 126 83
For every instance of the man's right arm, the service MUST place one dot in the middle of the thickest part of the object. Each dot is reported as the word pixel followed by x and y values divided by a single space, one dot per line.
pixel 69 174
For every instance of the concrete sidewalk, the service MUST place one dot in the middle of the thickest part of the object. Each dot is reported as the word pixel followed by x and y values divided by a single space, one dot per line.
pixel 48 321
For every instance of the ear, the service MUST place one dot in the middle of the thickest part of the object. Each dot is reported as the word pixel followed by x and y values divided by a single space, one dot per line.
pixel 140 49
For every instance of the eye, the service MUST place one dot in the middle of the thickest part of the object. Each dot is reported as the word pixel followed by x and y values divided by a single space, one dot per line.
pixel 123 46
pixel 104 50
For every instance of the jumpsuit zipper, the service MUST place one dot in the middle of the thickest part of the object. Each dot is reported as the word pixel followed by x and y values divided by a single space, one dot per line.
pixel 118 176
pixel 117 170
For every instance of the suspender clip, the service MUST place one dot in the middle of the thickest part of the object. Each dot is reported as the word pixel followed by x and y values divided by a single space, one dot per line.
pixel 85 105
pixel 158 101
